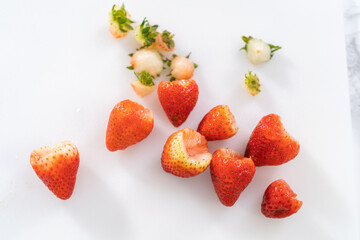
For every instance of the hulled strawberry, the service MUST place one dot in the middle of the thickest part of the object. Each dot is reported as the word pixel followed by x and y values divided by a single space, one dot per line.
pixel 120 23
pixel 218 124
pixel 279 200
pixel 57 167
pixel 230 173
pixel 144 85
pixel 165 42
pixel 178 99
pixel 185 154
pixel 129 123
pixel 270 144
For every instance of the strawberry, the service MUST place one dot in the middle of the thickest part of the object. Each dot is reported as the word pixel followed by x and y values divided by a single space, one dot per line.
pixel 178 99
pixel 279 200
pixel 218 124
pixel 182 68
pixel 185 154
pixel 252 83
pixel 230 173
pixel 57 166
pixel 257 50
pixel 165 42
pixel 146 34
pixel 144 85
pixel 120 22
pixel 147 60
pixel 129 123
pixel 270 144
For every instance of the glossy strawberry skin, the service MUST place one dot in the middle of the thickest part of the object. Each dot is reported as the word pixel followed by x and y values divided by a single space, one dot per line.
pixel 57 167
pixel 279 200
pixel 218 124
pixel 129 123
pixel 230 173
pixel 178 99
pixel 270 144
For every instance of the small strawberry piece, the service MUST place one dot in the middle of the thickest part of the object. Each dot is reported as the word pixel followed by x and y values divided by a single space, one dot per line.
pixel 178 99
pixel 230 173
pixel 218 124
pixel 57 166
pixel 182 68
pixel 147 60
pixel 144 85
pixel 270 144
pixel 165 42
pixel 279 200
pixel 129 123
pixel 142 90
pixel 120 22
pixel 145 34
pixel 185 154
pixel 252 83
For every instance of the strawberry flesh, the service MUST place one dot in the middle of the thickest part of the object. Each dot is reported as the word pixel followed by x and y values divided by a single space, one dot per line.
pixel 185 154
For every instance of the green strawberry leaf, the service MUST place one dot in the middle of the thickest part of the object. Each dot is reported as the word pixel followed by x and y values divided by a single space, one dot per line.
pixel 167 38
pixel 145 78
pixel 148 32
pixel 120 15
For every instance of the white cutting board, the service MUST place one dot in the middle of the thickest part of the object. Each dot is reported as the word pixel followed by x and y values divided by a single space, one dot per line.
pixel 61 73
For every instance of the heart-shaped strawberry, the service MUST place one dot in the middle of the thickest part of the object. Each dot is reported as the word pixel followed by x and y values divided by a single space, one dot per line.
pixel 57 167
pixel 230 173
pixel 270 144
pixel 178 99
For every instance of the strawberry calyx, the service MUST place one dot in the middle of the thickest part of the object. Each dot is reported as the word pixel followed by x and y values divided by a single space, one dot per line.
pixel 167 38
pixel 252 83
pixel 273 48
pixel 145 78
pixel 120 16
pixel 148 33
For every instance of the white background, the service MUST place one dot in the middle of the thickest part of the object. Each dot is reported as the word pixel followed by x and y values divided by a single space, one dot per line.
pixel 62 73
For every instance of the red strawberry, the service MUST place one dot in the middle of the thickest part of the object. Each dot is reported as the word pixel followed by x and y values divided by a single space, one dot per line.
pixel 270 144
pixel 185 153
pixel 230 174
pixel 178 99
pixel 279 200
pixel 129 123
pixel 57 166
pixel 218 124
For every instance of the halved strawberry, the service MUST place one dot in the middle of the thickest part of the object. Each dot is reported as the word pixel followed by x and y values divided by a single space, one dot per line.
pixel 279 200
pixel 218 124
pixel 185 153
pixel 57 167
pixel 230 173
pixel 129 123
pixel 178 99
pixel 270 144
